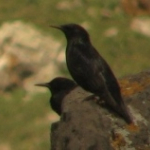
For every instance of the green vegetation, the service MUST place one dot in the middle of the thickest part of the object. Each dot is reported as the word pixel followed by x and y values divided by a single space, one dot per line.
pixel 23 122
pixel 127 52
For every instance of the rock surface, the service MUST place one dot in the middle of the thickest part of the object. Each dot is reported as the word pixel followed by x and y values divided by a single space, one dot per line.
pixel 136 7
pixel 141 25
pixel 26 56
pixel 85 125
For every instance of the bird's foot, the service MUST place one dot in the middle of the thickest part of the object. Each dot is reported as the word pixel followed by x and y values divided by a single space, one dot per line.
pixel 92 97
pixel 95 98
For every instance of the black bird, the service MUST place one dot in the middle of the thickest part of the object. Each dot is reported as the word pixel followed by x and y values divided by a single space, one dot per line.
pixel 90 70
pixel 59 88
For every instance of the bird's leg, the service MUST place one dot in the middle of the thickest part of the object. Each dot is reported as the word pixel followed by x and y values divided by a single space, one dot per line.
pixel 95 98
pixel 92 97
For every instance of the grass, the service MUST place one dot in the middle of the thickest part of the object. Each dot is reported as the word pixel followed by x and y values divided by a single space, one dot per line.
pixel 120 51
pixel 24 122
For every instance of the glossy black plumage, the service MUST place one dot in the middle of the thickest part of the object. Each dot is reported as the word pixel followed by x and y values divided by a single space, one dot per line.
pixel 59 88
pixel 90 70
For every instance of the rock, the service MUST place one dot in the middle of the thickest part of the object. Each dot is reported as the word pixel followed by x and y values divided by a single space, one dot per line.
pixel 66 5
pixel 141 25
pixel 111 32
pixel 86 125
pixel 80 126
pixel 27 53
pixel 136 7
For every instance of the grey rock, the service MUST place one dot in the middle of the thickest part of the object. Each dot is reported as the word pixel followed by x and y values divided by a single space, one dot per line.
pixel 27 56
pixel 85 125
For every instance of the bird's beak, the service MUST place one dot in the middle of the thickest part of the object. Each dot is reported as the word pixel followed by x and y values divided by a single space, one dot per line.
pixel 57 27
pixel 42 84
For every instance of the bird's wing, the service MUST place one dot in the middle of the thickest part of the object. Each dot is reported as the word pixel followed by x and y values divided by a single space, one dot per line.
pixel 109 77
pixel 85 68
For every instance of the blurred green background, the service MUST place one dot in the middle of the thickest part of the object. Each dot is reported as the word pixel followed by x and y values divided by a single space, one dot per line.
pixel 25 121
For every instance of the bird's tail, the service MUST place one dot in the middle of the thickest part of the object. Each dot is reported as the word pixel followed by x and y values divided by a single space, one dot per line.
pixel 120 109
pixel 125 112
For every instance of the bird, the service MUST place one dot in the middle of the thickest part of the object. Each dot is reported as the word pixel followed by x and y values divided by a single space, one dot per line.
pixel 90 70
pixel 59 88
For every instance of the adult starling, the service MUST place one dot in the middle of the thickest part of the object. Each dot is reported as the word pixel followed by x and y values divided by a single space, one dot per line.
pixel 59 88
pixel 90 70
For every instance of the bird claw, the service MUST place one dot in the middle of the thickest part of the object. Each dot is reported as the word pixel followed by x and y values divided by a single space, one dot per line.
pixel 95 98
pixel 92 97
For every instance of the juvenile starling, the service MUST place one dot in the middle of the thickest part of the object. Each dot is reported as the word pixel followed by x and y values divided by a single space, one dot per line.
pixel 90 70
pixel 59 88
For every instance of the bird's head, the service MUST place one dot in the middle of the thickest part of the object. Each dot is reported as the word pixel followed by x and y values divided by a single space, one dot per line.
pixel 73 31
pixel 58 84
